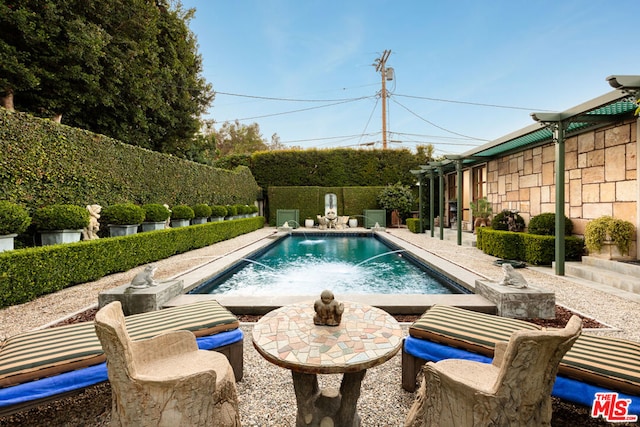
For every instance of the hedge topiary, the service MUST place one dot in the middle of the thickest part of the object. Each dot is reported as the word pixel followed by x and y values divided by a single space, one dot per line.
pixel 218 211
pixel 232 210
pixel 545 225
pixel 60 217
pixel 14 219
pixel 155 212
pixel 201 210
pixel 182 212
pixel 123 214
pixel 501 221
pixel 396 197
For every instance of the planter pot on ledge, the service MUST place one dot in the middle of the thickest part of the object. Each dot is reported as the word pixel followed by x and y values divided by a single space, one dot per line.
pixel 122 230
pixel 199 221
pixel 151 226
pixel 6 242
pixel 610 251
pixel 175 223
pixel 308 223
pixel 216 218
pixel 56 237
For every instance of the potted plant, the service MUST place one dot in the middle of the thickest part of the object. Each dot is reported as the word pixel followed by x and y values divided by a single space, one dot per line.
pixel 122 218
pixel 353 222
pixel 14 219
pixel 309 222
pixel 155 216
pixel 60 223
pixel 181 215
pixel 254 210
pixel 202 212
pixel 481 211
pixel 232 211
pixel 396 198
pixel 218 212
pixel 608 237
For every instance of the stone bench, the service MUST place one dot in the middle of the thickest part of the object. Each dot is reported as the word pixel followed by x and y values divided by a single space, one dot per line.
pixel 595 363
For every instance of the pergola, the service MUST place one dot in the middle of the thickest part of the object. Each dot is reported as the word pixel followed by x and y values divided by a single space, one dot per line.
pixel 603 111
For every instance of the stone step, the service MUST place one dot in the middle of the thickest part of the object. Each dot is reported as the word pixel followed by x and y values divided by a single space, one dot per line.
pixel 626 268
pixel 598 274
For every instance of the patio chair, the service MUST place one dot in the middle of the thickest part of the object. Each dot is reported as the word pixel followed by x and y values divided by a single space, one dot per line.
pixel 164 380
pixel 515 390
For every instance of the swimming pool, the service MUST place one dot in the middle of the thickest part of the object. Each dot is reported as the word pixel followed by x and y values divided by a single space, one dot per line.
pixel 345 263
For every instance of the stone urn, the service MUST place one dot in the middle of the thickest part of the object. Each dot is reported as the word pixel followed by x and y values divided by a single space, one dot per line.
pixel 308 223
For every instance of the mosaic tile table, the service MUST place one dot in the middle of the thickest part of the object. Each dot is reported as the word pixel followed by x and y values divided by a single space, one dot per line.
pixel 366 337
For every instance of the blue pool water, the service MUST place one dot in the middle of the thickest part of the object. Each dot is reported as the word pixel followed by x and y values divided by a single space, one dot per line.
pixel 306 265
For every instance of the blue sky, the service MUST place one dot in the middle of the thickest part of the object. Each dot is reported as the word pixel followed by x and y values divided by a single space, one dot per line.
pixel 447 56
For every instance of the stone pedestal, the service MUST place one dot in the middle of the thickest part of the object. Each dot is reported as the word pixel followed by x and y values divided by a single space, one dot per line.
pixel 136 301
pixel 517 303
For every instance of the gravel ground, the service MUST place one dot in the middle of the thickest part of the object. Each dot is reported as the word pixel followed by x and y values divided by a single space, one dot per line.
pixel 266 392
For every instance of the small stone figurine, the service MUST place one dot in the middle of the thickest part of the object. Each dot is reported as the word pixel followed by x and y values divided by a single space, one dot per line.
pixel 328 310
pixel 144 279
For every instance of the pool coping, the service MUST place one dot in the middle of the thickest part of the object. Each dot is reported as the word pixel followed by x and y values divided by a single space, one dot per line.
pixel 392 303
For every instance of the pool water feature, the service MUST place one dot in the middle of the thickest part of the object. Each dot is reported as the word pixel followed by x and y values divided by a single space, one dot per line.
pixel 346 264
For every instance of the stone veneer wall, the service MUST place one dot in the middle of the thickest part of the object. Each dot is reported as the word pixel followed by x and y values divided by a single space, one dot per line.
pixel 600 177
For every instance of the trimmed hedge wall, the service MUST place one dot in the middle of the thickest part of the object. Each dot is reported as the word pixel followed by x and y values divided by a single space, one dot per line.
pixel 310 200
pixel 26 274
pixel 413 224
pixel 339 167
pixel 531 248
pixel 44 163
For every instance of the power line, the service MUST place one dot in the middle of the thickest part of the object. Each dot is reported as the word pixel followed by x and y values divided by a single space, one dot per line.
pixel 269 98
pixel 471 103
pixel 302 109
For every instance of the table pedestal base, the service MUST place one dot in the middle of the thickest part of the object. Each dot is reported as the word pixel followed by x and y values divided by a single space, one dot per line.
pixel 329 407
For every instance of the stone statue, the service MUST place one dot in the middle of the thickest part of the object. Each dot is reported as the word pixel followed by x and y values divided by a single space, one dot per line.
pixel 167 223
pixel 328 310
pixel 144 279
pixel 512 277
pixel 91 231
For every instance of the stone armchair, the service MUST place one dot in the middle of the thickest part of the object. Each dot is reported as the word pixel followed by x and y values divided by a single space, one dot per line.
pixel 514 390
pixel 165 380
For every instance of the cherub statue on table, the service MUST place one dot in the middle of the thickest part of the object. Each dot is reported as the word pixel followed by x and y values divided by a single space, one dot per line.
pixel 328 310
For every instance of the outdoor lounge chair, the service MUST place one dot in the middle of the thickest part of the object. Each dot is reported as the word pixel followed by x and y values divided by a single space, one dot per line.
pixel 164 380
pixel 595 364
pixel 47 364
pixel 514 390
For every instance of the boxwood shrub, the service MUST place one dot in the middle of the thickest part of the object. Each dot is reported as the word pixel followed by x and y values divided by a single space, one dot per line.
pixel 14 219
pixel 60 217
pixel 545 225
pixel 182 212
pixel 201 210
pixel 218 211
pixel 531 248
pixel 122 214
pixel 413 224
pixel 155 212
pixel 26 274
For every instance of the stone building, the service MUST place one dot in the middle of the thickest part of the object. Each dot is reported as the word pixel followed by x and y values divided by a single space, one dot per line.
pixel 594 144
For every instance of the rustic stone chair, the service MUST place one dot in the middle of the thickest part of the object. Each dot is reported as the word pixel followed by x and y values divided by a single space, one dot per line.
pixel 515 390
pixel 165 380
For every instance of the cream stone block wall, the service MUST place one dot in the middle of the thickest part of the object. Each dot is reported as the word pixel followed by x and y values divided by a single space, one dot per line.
pixel 600 173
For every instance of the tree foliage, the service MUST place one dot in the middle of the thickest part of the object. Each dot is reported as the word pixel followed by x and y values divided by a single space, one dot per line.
pixel 128 69
pixel 236 138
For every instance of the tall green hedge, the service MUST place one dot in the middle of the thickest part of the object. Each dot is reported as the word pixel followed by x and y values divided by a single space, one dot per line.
pixel 336 167
pixel 26 274
pixel 310 200
pixel 44 163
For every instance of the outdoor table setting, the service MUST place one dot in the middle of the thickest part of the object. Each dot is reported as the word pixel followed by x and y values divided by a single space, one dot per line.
pixel 327 337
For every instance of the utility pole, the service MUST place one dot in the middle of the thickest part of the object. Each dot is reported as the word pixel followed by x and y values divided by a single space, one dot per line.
pixel 381 67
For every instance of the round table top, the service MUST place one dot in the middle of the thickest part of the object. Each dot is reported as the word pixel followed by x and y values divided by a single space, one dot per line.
pixel 366 337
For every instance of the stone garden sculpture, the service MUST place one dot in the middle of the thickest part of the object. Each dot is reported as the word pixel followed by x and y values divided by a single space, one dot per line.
pixel 91 231
pixel 165 380
pixel 328 310
pixel 514 390
pixel 144 279
pixel 512 277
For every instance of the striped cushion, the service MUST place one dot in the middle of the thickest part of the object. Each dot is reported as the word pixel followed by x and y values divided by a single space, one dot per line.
pixel 605 361
pixel 466 329
pixel 47 352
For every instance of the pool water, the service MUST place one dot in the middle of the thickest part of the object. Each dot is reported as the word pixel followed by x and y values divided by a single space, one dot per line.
pixel 306 265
